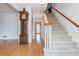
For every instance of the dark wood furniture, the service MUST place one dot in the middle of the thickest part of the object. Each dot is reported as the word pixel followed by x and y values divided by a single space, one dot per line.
pixel 24 26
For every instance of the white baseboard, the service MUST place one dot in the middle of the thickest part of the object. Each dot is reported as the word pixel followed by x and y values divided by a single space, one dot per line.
pixel 9 39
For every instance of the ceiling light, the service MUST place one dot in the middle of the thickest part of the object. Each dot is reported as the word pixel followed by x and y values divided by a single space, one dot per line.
pixel 41 4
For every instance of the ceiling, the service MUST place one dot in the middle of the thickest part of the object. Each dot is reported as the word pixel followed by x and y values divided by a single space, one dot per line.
pixel 12 7
pixel 36 7
pixel 5 8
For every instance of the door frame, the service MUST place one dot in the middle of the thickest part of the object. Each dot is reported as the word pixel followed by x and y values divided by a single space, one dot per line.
pixel 38 22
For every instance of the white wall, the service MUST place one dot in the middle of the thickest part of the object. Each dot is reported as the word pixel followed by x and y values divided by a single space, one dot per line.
pixel 71 10
pixel 30 25
pixel 8 26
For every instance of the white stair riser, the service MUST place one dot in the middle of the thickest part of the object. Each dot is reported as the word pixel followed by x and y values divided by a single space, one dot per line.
pixel 62 46
pixel 58 30
pixel 62 54
pixel 60 39
pixel 59 35
pixel 63 43
pixel 56 36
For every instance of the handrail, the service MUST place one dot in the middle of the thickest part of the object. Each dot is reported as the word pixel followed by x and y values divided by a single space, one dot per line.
pixel 66 17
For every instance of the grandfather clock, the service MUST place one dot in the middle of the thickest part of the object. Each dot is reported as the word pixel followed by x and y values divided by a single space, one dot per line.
pixel 24 26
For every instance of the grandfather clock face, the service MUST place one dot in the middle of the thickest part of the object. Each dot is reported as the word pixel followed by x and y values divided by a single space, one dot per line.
pixel 23 16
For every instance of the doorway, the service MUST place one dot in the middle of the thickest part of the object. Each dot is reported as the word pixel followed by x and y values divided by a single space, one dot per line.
pixel 38 31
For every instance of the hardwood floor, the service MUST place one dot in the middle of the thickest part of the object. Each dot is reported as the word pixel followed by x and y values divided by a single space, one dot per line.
pixel 12 48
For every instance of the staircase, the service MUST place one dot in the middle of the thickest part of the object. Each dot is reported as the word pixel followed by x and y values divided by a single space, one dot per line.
pixel 61 43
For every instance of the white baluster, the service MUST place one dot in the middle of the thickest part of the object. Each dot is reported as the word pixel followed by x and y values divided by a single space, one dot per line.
pixel 49 36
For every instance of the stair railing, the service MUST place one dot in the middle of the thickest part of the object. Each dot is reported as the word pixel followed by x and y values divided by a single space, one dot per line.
pixel 70 20
pixel 47 32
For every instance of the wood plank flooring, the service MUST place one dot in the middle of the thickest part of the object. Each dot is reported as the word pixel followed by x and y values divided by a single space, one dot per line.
pixel 12 48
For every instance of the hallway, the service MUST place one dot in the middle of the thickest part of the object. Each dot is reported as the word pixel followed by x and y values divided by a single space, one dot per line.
pixel 61 44
pixel 29 29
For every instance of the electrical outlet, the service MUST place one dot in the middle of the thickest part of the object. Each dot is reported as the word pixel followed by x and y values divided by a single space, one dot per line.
pixel 4 36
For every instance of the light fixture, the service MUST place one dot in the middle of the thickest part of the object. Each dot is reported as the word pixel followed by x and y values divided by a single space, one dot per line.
pixel 41 4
